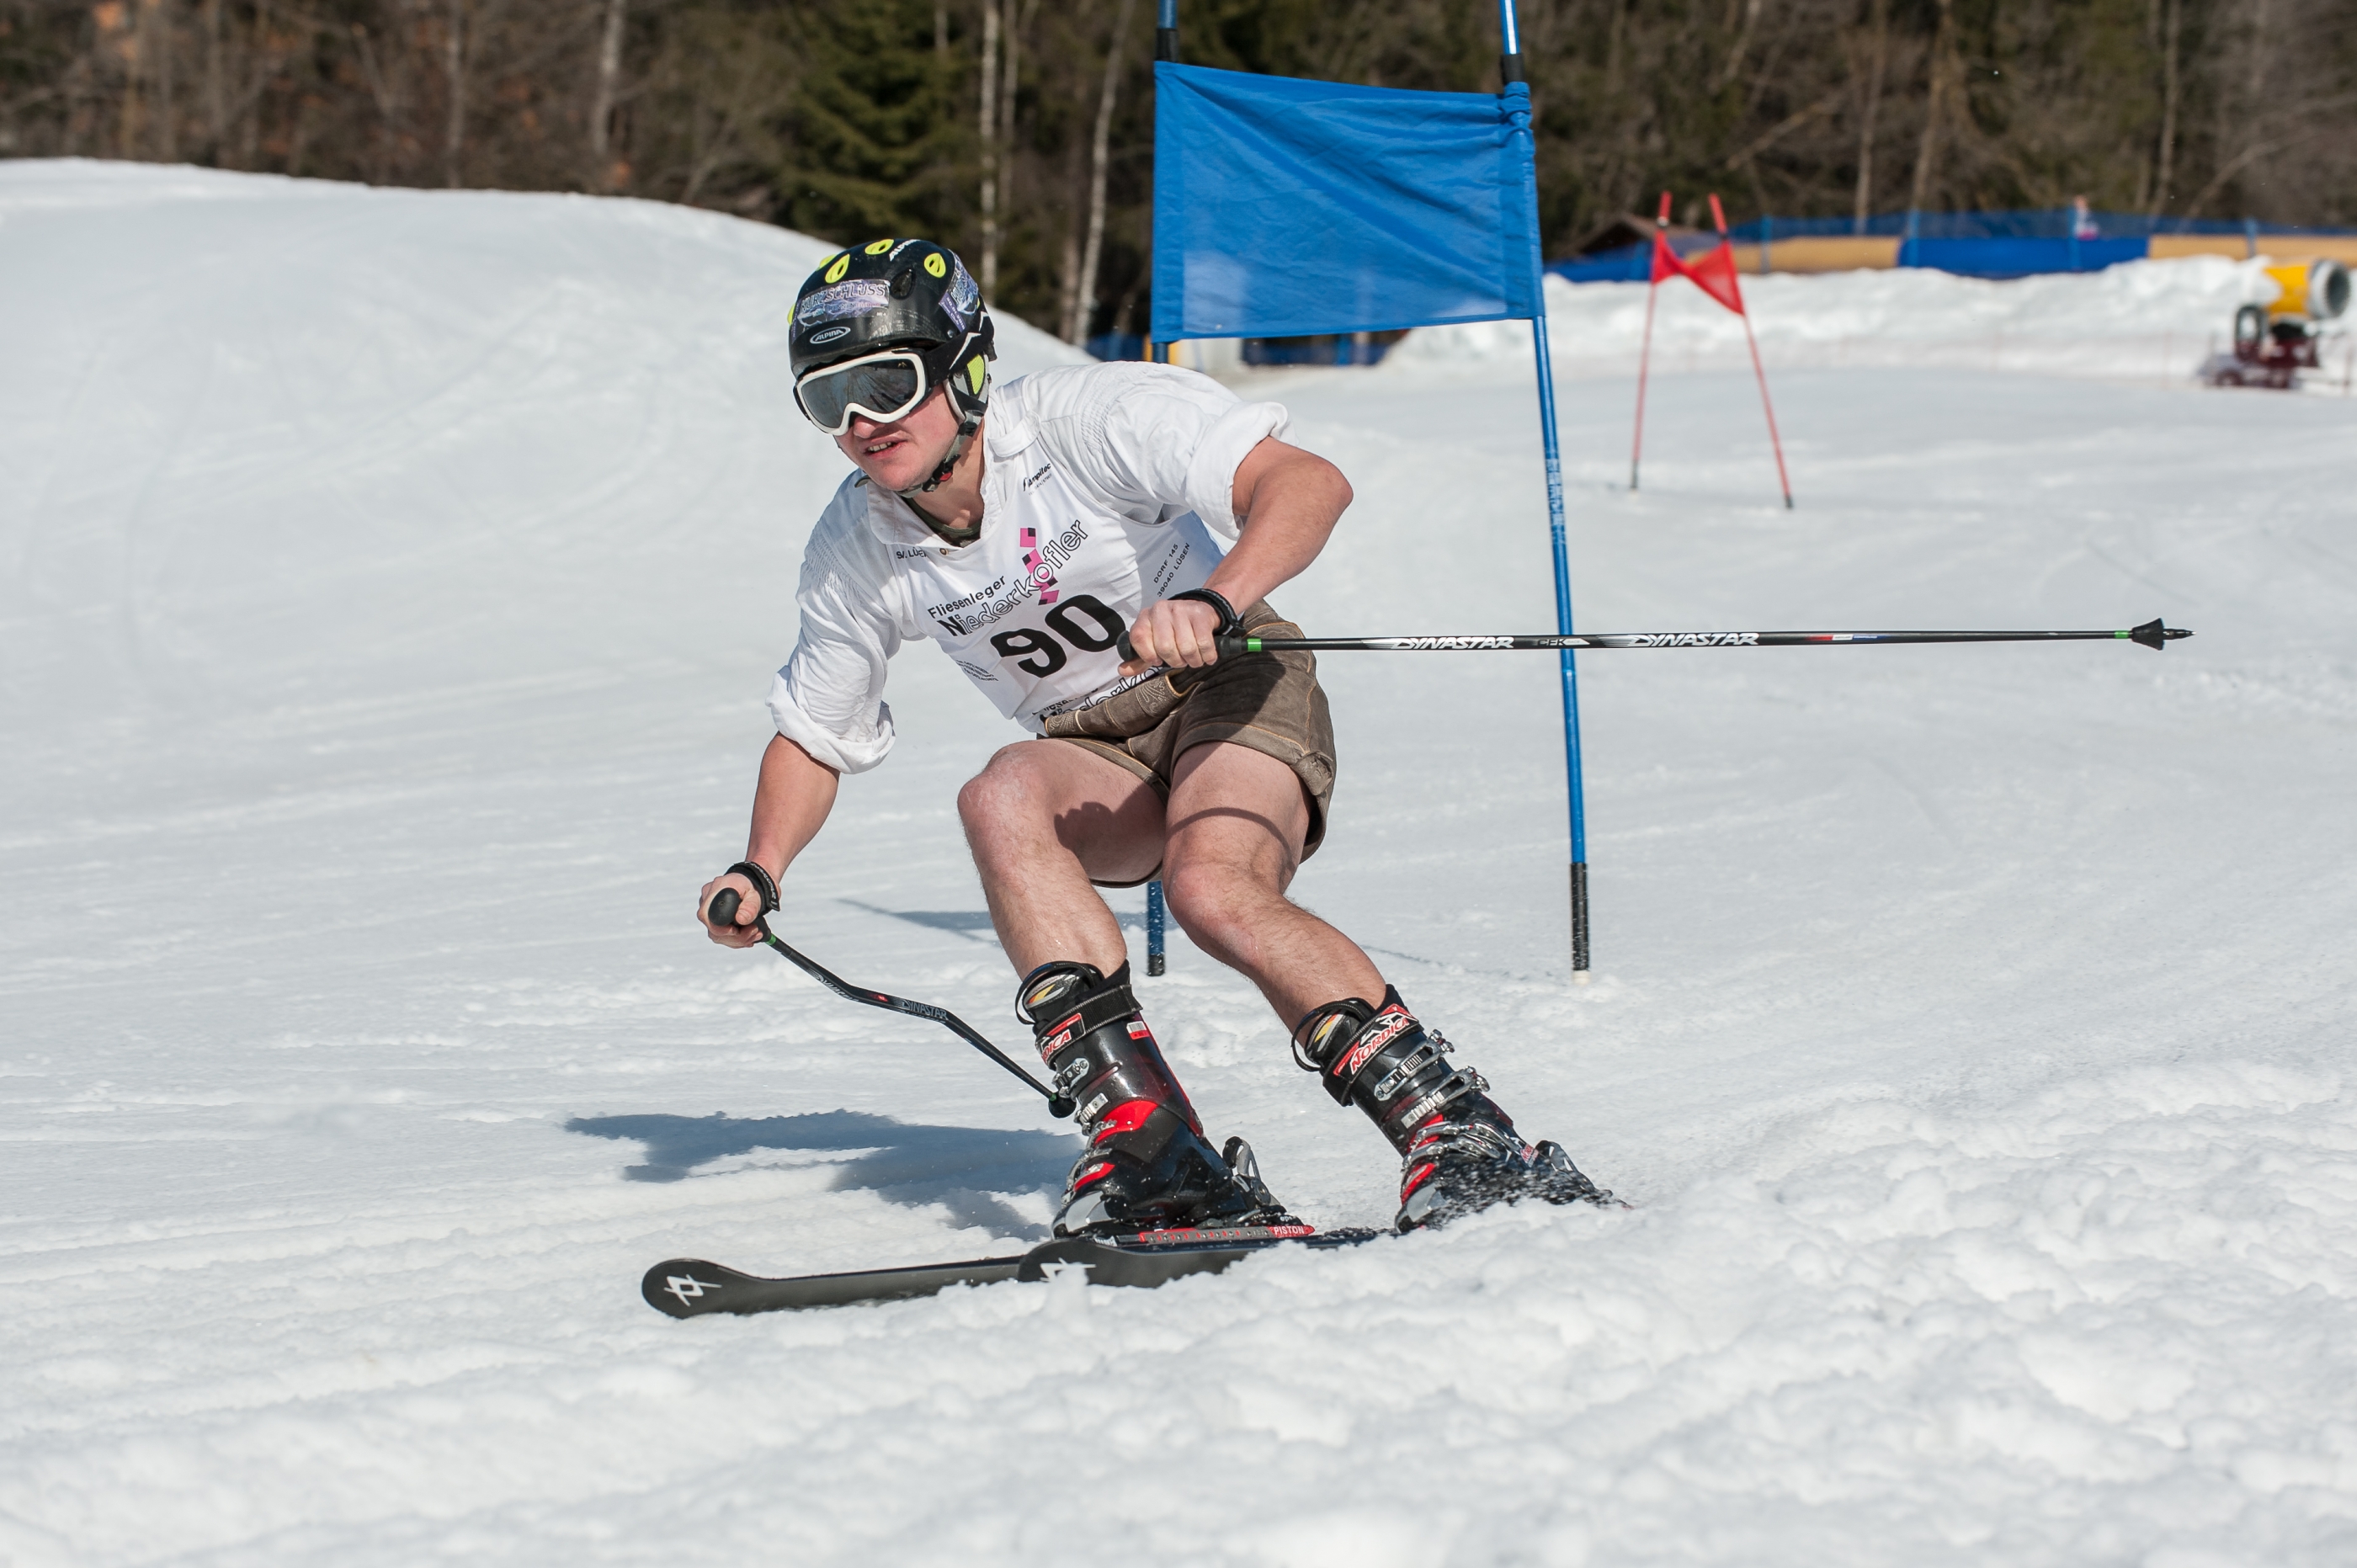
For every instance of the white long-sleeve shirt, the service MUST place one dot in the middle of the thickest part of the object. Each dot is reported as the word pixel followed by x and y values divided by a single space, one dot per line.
pixel 1105 488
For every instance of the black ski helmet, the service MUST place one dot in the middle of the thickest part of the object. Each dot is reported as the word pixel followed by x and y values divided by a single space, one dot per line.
pixel 900 294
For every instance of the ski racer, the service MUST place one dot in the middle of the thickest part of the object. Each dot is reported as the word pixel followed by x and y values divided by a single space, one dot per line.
pixel 1025 529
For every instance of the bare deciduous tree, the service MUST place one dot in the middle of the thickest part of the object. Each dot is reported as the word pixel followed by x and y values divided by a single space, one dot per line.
pixel 608 83
pixel 1017 132
pixel 990 129
pixel 1083 303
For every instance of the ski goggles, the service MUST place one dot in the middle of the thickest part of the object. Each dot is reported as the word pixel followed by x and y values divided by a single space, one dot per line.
pixel 885 387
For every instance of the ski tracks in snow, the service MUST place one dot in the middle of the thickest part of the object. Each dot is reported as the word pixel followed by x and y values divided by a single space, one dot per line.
pixel 1968 1034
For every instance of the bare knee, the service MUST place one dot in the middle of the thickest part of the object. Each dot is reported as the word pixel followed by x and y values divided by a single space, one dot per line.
pixel 1214 901
pixel 1005 807
pixel 1006 791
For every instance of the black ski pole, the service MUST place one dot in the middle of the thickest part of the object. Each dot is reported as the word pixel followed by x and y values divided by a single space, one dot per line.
pixel 2151 634
pixel 722 912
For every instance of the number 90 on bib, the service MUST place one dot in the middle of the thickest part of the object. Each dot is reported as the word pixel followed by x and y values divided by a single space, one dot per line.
pixel 1081 621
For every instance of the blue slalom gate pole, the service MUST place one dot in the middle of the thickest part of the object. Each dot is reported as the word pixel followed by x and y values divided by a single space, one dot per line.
pixel 1155 962
pixel 1511 86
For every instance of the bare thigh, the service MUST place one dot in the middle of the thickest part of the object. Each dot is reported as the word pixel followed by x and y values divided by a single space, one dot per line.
pixel 1239 807
pixel 1111 821
pixel 1044 820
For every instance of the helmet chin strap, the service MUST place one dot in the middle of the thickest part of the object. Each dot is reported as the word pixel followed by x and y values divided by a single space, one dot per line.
pixel 966 427
pixel 970 410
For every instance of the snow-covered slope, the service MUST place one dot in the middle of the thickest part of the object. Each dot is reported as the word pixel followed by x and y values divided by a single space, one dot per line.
pixel 391 583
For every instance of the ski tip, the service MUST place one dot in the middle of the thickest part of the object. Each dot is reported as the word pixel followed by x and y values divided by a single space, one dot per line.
pixel 2155 635
pixel 687 1287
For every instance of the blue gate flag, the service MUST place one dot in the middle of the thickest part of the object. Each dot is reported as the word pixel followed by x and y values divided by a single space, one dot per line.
pixel 1286 207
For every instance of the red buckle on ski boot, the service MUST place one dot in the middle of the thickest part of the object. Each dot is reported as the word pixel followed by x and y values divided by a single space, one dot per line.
pixel 1147 1164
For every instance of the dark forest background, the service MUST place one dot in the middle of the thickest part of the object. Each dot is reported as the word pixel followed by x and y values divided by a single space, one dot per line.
pixel 1022 132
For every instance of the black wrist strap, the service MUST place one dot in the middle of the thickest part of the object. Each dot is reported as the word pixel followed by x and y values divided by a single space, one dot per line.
pixel 1229 620
pixel 761 881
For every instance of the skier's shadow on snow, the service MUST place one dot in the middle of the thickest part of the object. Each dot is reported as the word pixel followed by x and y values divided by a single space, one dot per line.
pixel 961 1169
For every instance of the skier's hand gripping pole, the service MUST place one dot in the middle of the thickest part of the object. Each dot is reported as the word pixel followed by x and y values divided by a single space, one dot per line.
pixel 736 925
pixel 722 912
pixel 1178 635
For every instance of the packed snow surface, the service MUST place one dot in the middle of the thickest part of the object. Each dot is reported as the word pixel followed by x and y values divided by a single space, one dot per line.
pixel 393 581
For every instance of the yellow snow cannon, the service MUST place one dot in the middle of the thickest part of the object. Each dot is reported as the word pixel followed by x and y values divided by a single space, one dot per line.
pixel 2275 342
pixel 2318 290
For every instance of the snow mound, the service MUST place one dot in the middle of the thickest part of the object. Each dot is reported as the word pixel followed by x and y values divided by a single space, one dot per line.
pixel 2152 321
pixel 347 404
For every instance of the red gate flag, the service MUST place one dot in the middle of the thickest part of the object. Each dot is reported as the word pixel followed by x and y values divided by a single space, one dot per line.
pixel 1713 271
pixel 1714 274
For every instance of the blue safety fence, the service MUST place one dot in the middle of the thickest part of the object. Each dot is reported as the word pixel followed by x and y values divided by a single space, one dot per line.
pixel 1116 346
pixel 2012 223
pixel 2003 256
pixel 1326 348
pixel 2000 244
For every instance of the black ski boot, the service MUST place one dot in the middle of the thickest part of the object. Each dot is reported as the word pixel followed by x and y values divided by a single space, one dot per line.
pixel 1148 1165
pixel 1460 1152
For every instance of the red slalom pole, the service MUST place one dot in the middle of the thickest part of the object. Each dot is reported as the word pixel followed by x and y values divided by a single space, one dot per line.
pixel 1645 353
pixel 1644 358
pixel 1775 442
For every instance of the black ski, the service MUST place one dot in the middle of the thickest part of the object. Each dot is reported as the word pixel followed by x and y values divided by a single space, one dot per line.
pixel 690 1287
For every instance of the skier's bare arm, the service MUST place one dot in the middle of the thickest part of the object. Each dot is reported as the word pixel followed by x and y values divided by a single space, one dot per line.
pixel 1288 502
pixel 789 806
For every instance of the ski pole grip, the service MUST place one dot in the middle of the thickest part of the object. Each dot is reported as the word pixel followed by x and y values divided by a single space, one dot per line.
pixel 722 910
pixel 1224 641
pixel 1225 647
